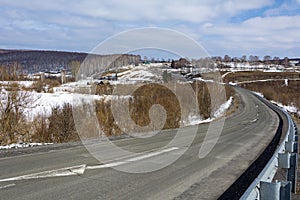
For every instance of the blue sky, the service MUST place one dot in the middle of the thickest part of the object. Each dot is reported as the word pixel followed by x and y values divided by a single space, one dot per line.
pixel 235 27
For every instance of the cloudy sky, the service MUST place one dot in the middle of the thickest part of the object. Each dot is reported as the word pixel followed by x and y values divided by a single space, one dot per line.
pixel 234 27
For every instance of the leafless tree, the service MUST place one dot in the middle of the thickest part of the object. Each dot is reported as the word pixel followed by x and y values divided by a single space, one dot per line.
pixel 13 123
pixel 276 60
pixel 286 62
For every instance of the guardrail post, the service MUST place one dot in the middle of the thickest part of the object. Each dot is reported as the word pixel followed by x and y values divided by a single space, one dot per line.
pixel 284 160
pixel 275 190
pixel 285 190
pixel 269 191
pixel 292 171
pixel 291 136
pixel 296 147
pixel 262 189
pixel 289 146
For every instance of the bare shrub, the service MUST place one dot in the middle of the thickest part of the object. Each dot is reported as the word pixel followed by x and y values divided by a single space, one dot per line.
pixel 106 118
pixel 103 89
pixel 13 123
pixel 40 126
pixel 61 124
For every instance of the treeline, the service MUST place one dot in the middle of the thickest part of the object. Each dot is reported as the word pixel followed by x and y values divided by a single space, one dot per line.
pixel 252 59
pixel 37 61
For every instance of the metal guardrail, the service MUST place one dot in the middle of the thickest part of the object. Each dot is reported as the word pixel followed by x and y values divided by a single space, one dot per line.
pixel 285 157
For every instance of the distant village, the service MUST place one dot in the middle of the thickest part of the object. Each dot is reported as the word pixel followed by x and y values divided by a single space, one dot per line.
pixel 64 65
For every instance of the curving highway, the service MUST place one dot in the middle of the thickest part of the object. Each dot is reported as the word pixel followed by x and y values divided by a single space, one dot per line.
pixel 245 135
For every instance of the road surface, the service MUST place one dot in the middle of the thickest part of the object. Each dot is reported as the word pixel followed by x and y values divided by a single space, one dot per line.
pixel 245 135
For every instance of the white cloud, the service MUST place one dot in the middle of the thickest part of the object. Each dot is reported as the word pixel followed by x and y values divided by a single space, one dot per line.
pixel 286 8
pixel 135 10
pixel 259 34
pixel 81 24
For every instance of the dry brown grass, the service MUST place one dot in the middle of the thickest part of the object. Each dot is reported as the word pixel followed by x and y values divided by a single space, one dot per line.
pixel 148 95
pixel 259 75
pixel 103 89
pixel 278 91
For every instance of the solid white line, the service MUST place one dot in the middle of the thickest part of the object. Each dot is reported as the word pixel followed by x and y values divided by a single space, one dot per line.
pixel 132 159
pixel 151 154
pixel 79 169
pixel 67 171
pixel 106 165
pixel 7 186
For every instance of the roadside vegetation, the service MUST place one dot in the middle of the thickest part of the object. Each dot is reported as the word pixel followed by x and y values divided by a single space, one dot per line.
pixel 280 87
pixel 58 126
pixel 259 75
pixel 278 91
pixel 146 96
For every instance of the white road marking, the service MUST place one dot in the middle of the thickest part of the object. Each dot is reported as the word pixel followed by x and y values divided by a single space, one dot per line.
pixel 7 186
pixel 132 159
pixel 106 165
pixel 68 171
pixel 79 169
pixel 152 154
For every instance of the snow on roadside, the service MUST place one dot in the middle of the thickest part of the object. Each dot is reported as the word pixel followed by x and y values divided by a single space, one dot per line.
pixel 266 80
pixel 22 145
pixel 288 108
pixel 193 120
pixel 223 108
pixel 259 94
pixel 230 72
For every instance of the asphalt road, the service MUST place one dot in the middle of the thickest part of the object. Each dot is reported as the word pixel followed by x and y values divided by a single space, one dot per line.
pixel 245 134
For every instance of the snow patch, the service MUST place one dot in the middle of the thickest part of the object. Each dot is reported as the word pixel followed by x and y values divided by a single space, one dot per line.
pixel 22 145
pixel 258 94
pixel 44 102
pixel 223 108
pixel 137 75
pixel 194 120
pixel 232 83
pixel 25 84
pixel 288 108
pixel 286 82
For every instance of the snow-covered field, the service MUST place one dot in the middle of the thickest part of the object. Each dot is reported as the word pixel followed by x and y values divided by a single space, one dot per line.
pixel 247 66
pixel 44 102
pixel 236 67
pixel 21 83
